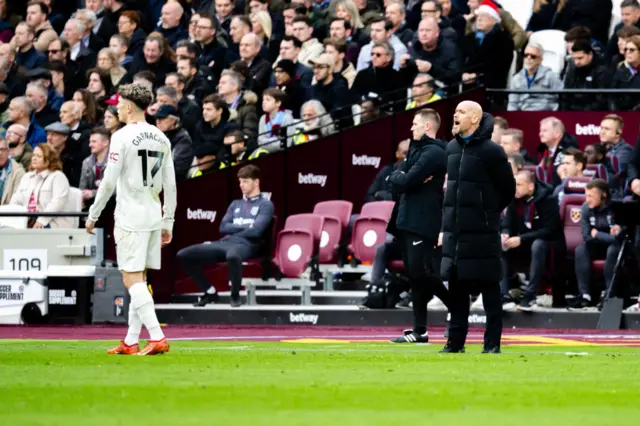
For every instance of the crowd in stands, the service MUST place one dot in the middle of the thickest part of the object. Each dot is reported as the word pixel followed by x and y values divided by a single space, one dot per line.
pixel 237 79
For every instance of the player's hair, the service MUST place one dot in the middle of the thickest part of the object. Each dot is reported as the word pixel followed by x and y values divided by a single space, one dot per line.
pixel 617 119
pixel 141 96
pixel 102 131
pixel 501 122
pixel 516 135
pixel 249 172
pixel 51 157
pixel 601 184
pixel 431 115
pixel 578 156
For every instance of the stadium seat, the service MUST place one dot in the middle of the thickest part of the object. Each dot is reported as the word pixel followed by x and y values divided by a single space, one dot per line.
pixel 576 185
pixel 13 222
pixel 74 204
pixel 615 163
pixel 521 10
pixel 539 171
pixel 555 48
pixel 596 171
pixel 298 243
pixel 396 266
pixel 570 214
pixel 378 209
pixel 616 17
pixel 330 239
pixel 370 230
pixel 338 208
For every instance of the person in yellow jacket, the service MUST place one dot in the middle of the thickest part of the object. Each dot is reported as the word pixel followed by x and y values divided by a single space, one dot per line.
pixel 235 140
pixel 422 92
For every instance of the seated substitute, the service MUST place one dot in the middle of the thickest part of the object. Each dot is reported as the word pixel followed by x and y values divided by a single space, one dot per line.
pixel 602 239
pixel 244 225
pixel 532 227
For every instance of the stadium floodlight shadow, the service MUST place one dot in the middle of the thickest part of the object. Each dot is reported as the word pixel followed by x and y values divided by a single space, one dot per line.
pixel 626 214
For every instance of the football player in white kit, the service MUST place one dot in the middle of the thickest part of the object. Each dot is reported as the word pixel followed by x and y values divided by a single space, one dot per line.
pixel 140 167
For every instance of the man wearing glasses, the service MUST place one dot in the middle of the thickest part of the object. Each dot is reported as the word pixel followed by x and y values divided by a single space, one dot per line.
pixel 534 76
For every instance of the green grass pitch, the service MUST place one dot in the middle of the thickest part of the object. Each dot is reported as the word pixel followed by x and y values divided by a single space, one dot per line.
pixel 250 383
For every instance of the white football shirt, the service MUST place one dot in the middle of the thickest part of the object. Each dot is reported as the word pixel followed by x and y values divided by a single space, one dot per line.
pixel 140 166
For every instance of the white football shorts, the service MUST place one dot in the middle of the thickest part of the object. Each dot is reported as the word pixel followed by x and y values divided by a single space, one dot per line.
pixel 137 251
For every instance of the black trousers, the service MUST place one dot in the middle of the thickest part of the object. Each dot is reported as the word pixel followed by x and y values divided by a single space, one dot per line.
pixel 193 257
pixel 418 253
pixel 460 290
pixel 593 250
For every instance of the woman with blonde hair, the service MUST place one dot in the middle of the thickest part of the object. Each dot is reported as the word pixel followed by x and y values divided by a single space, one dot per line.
pixel 108 61
pixel 347 10
pixel 44 189
pixel 262 26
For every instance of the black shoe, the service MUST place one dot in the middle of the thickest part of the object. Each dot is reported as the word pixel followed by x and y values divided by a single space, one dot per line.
pixel 235 301
pixel 448 349
pixel 527 304
pixel 411 336
pixel 493 350
pixel 579 304
pixel 207 298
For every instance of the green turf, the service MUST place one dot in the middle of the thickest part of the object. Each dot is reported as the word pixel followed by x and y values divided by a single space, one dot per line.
pixel 204 383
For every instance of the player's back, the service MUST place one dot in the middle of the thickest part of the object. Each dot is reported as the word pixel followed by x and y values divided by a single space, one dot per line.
pixel 145 157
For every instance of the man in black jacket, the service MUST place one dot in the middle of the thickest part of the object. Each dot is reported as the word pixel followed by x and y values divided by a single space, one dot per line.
pixel 602 239
pixel 480 186
pixel 418 217
pixel 532 229
pixel 380 189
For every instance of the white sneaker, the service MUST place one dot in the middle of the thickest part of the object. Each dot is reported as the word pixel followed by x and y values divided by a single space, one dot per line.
pixel 633 309
pixel 477 305
pixel 544 301
pixel 436 304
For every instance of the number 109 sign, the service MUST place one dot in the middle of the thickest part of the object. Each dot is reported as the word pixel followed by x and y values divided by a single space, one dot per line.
pixel 25 260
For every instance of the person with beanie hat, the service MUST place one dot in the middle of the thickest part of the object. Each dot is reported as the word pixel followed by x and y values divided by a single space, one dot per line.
pixel 286 81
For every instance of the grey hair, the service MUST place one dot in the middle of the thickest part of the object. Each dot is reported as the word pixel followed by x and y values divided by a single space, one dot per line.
pixel 538 47
pixel 24 104
pixel 89 15
pixel 556 124
pixel 39 86
pixel 387 47
pixel 234 76
pixel 167 91
pixel 78 24
pixel 75 109
pixel 325 122
pixel 256 39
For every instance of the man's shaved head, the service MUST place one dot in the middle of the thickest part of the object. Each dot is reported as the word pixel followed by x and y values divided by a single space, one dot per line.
pixel 467 118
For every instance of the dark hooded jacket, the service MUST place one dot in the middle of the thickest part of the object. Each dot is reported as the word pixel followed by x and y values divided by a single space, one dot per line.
pixel 535 218
pixel 419 209
pixel 181 150
pixel 480 186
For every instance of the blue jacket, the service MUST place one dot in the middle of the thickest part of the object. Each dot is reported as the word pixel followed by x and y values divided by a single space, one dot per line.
pixel 35 135
pixel 54 99
pixel 247 220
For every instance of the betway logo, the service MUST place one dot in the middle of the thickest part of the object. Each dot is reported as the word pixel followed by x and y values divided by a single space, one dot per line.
pixel 201 215
pixel 577 184
pixel 473 318
pixel 303 318
pixel 365 160
pixel 588 130
pixel 311 179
